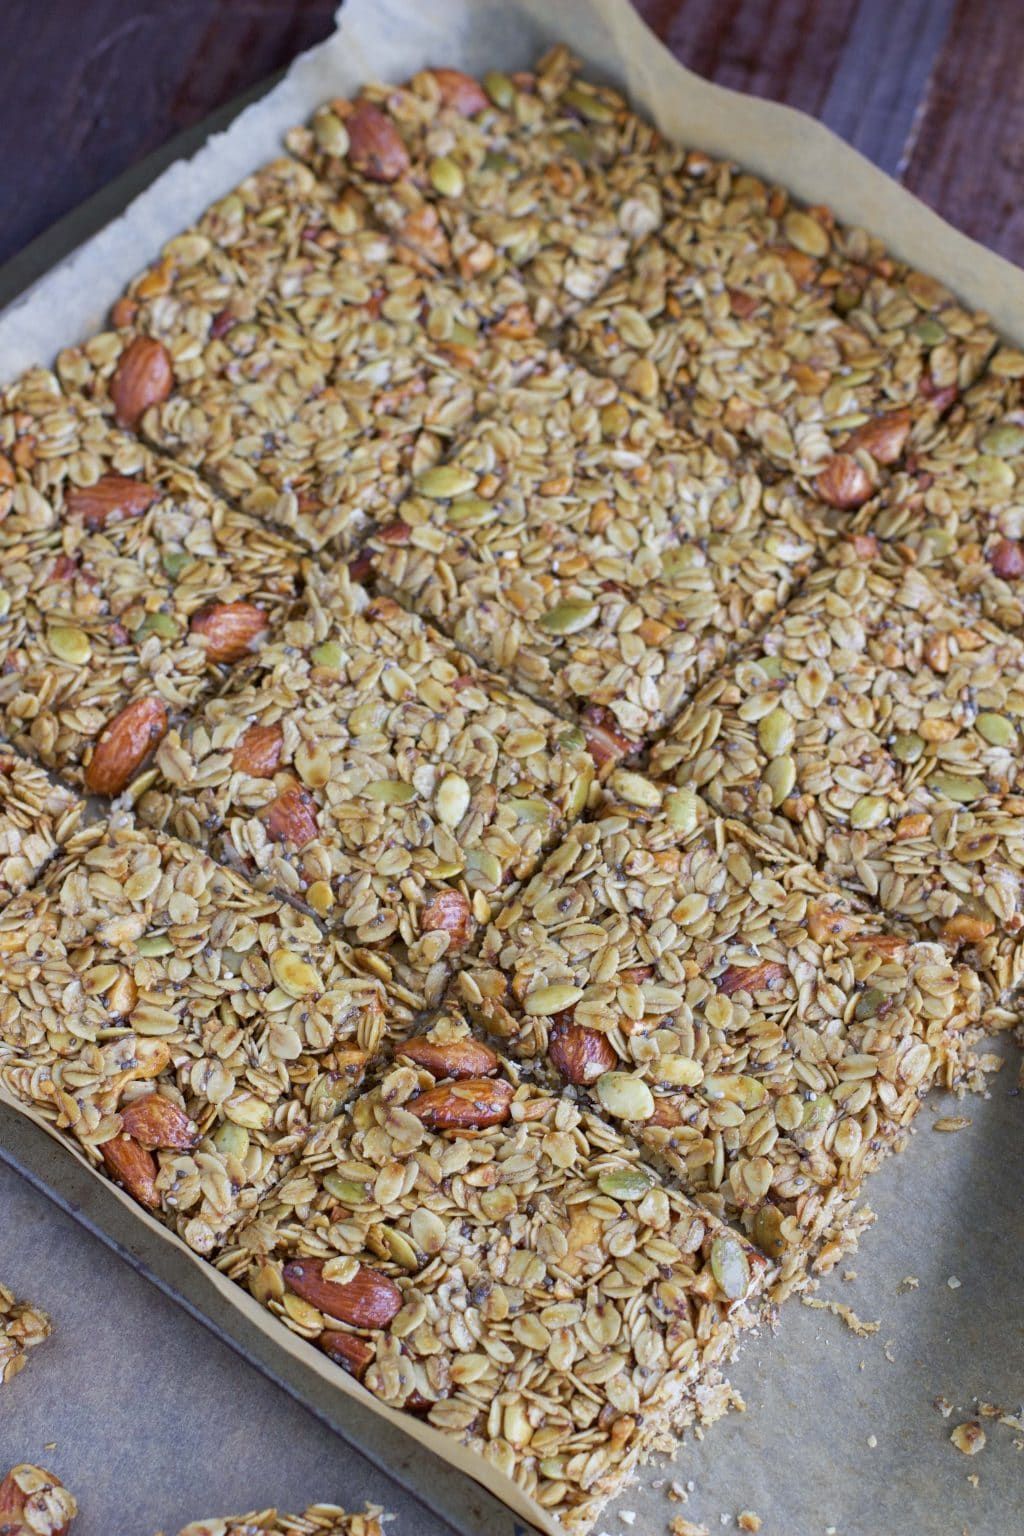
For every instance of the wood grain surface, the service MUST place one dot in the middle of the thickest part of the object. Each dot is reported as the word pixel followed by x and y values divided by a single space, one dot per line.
pixel 932 90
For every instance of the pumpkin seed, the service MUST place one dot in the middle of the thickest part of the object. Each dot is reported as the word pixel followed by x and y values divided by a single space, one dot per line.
pixel 568 617
pixel 1004 441
pixel 500 89
pixel 588 104
pixel 868 811
pixel 780 776
pixel 348 1191
pixel 625 1183
pixel 682 809
pixel 954 787
pixel 293 974
pixel 69 644
pixel 443 481
pixel 231 1140
pixel 776 732
pixel 624 1096
pixel 730 1266
pixel 329 654
pixel 446 177
pixel 330 132
pixel 995 729
pixel 908 747
pixel 154 944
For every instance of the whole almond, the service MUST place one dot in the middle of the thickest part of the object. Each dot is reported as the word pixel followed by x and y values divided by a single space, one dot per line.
pixel 581 1055
pixel 449 912
pixel 124 744
pixel 229 630
pixel 751 978
pixel 468 1105
pixel 143 377
pixel 348 1350
pixel 843 483
pixel 133 1167
pixel 885 437
pixel 460 92
pixel 375 145
pixel 1007 559
pixel 291 817
pixel 368 1301
pixel 451 1058
pixel 258 751
pixel 154 1121
pixel 606 742
pixel 113 496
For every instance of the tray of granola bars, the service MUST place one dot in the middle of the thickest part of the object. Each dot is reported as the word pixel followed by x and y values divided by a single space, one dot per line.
pixel 513 784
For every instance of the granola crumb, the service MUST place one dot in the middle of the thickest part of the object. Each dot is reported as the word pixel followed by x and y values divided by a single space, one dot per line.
pixel 951 1123
pixel 953 1283
pixel 747 1520
pixel 944 1406
pixel 840 1309
pixel 849 1274
pixel 908 1283
pixel 680 1526
pixel 969 1437
pixel 22 1327
pixel 872 1442
pixel 887 1351
pixel 677 1493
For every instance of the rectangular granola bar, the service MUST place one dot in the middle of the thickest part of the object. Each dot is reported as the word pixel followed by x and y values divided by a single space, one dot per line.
pixel 753 1029
pixel 186 1030
pixel 125 585
pixel 36 817
pixel 527 1288
pixel 317 1520
pixel 371 769
pixel 22 1327
pixel 874 728
pixel 577 540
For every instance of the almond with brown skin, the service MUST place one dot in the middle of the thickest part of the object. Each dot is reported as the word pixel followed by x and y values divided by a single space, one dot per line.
pixel 451 1058
pixel 348 1350
pixel 884 437
pixel 844 483
pixel 258 750
pixel 451 913
pixel 1007 559
pixel 461 92
pixel 606 742
pixel 751 978
pixel 469 1105
pixel 229 630
pixel 124 745
pixel 368 1301
pixel 133 1167
pixel 581 1055
pixel 117 497
pixel 143 377
pixel 291 817
pixel 375 145
pixel 154 1121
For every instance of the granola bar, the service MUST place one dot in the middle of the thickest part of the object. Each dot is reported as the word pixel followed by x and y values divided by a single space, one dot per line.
pixel 317 1520
pixel 752 1029
pixel 369 768
pixel 578 541
pixel 186 1030
pixel 22 1327
pixel 125 585
pixel 35 1502
pixel 527 1288
pixel 767 320
pixel 36 817
pixel 543 174
pixel 874 729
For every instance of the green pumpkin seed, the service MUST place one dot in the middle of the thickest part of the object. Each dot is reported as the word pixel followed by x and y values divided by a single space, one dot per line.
pixel 682 809
pixel 483 870
pixel 615 421
pixel 572 740
pixel 776 732
pixel 569 617
pixel 330 132
pixel 1004 441
pixel 69 644
pixel 500 89
pixel 730 1266
pixel 588 104
pixel 231 1140
pixel 868 811
pixel 531 813
pixel 996 729
pixel 780 776
pixel 348 1191
pixel 400 1249
pixel 443 481
pixel 625 1183
pixel 154 944
pixel 494 161
pixel 817 1112
pixel 446 177
pixel 735 1088
pixel 579 794
pixel 158 624
pixel 634 788
pixel 908 747
pixel 680 560
pixel 768 1231
pixel 174 562
pixel 624 1096
pixel 868 1004
pixel 953 787
pixel 578 144
pixel 930 332
pixel 330 654
pixel 465 511
pixel 390 791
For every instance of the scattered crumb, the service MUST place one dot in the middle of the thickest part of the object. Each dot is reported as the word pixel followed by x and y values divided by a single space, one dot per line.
pixel 1013 1421
pixel 990 1062
pixel 677 1493
pixel 951 1123
pixel 873 1441
pixel 680 1526
pixel 849 1274
pixel 908 1283
pixel 848 1315
pixel 953 1283
pixel 887 1351
pixel 746 1520
pixel 627 1516
pixel 973 1479
pixel 944 1406
pixel 988 1410
pixel 969 1437
pixel 51 1445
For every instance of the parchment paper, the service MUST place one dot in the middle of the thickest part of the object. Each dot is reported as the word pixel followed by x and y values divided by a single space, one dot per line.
pixel 390 39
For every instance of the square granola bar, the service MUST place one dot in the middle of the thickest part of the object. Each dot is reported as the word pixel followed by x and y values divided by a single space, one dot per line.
pixel 491 1258
pixel 874 729
pixel 125 585
pixel 755 1031
pixel 185 1029
pixel 369 768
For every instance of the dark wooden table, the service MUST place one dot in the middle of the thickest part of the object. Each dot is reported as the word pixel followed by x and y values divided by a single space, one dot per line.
pixel 932 90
